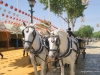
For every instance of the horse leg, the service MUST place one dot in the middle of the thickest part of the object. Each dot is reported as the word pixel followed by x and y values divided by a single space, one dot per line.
pixel 27 53
pixel 77 56
pixel 62 67
pixel 83 53
pixel 43 68
pixel 1 55
pixel 49 65
pixel 23 52
pixel 34 66
pixel 72 66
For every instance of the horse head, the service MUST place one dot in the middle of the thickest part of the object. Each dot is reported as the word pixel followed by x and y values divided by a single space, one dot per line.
pixel 54 43
pixel 57 39
pixel 29 34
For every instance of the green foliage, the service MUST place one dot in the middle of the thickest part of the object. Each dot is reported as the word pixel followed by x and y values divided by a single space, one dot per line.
pixel 76 33
pixel 70 6
pixel 73 8
pixel 85 31
pixel 56 6
pixel 96 34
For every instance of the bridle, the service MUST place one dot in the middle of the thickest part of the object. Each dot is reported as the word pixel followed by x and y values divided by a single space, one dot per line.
pixel 67 52
pixel 57 43
pixel 32 50
pixel 33 33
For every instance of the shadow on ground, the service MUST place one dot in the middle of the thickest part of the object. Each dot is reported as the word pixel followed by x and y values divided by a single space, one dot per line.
pixel 89 66
pixel 22 62
pixel 32 73
pixel 91 47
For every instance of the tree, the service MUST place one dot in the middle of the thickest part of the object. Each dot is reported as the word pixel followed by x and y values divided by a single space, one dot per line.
pixel 76 11
pixel 77 33
pixel 96 34
pixel 73 9
pixel 86 31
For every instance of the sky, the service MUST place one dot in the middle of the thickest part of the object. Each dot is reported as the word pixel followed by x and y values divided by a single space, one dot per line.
pixel 92 13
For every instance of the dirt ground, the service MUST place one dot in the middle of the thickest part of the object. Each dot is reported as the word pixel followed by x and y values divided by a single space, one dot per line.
pixel 14 63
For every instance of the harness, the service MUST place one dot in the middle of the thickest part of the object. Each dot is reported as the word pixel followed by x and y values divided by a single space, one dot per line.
pixel 67 52
pixel 32 50
pixel 36 52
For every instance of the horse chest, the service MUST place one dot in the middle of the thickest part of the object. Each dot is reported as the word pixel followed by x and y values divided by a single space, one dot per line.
pixel 66 60
pixel 38 59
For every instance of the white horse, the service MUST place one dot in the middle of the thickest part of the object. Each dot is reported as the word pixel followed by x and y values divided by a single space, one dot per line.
pixel 33 42
pixel 60 48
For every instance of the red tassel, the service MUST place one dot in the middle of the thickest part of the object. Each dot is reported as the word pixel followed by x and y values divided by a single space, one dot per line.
pixel 22 12
pixel 7 16
pixel 25 13
pixel 10 17
pixel 1 2
pixel 15 9
pixel 6 4
pixel 19 11
pixel 11 7
pixel 2 14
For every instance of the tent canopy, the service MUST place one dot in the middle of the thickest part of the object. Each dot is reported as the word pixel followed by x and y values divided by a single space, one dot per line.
pixel 3 28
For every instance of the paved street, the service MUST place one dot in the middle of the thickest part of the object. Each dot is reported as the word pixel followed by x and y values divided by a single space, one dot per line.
pixel 15 64
pixel 89 66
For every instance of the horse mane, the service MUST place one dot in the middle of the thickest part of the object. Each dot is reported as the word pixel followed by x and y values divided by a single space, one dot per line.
pixel 59 32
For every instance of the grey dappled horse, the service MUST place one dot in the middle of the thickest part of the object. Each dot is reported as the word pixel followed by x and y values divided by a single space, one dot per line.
pixel 33 43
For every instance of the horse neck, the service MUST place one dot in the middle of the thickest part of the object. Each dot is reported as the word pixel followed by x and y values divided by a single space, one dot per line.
pixel 63 43
pixel 36 43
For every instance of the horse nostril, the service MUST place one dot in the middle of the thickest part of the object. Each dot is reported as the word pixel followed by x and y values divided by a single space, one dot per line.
pixel 26 48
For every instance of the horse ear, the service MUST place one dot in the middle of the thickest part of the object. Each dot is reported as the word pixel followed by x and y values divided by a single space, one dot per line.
pixel 24 24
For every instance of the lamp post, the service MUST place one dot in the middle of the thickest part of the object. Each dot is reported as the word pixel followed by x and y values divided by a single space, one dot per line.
pixel 31 4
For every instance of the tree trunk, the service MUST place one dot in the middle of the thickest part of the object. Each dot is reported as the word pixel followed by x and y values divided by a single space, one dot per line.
pixel 68 23
pixel 73 23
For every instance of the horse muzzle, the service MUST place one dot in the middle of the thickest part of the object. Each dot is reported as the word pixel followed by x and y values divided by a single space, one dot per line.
pixel 27 47
pixel 52 56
